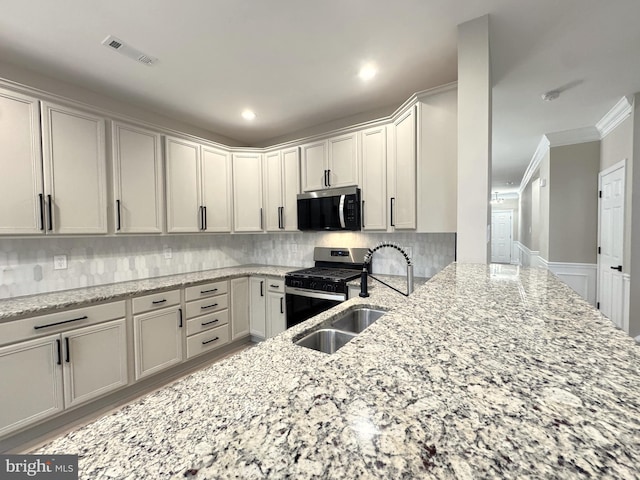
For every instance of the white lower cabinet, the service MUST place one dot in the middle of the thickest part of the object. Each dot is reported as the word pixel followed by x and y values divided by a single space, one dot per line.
pixel 49 374
pixel 31 379
pixel 157 340
pixel 268 308
pixel 208 316
pixel 239 307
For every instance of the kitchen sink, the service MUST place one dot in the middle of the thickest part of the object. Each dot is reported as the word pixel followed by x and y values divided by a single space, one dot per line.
pixel 357 320
pixel 326 340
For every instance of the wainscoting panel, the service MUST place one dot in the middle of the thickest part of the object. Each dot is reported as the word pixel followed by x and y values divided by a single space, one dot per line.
pixel 581 277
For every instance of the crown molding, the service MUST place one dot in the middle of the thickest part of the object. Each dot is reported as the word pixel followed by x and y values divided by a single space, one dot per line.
pixel 615 116
pixel 539 154
pixel 571 137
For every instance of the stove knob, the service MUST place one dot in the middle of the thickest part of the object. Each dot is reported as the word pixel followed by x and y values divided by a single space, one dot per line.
pixel 313 285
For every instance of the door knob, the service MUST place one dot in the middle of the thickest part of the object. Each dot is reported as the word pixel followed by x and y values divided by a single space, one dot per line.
pixel 618 268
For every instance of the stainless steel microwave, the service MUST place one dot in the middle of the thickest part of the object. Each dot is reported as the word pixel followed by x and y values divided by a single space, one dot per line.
pixel 330 209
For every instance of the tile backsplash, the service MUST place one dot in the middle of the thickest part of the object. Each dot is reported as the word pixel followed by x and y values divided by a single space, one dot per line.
pixel 26 264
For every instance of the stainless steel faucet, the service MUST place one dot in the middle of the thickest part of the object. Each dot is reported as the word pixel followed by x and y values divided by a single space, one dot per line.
pixel 365 274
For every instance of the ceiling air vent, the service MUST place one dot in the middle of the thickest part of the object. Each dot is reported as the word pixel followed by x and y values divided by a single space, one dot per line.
pixel 128 51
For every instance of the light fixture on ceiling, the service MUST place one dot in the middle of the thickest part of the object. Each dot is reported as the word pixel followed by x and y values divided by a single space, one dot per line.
pixel 248 115
pixel 367 72
pixel 496 199
pixel 550 95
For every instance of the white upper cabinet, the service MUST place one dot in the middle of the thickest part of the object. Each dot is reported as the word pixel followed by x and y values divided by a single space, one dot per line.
pixel 247 192
pixel 198 187
pixel 402 172
pixel 330 163
pixel 21 190
pixel 282 186
pixel 216 189
pixel 74 170
pixel 184 211
pixel 374 178
pixel 137 179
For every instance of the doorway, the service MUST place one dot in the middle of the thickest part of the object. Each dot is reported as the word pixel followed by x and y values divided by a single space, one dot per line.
pixel 611 243
pixel 501 236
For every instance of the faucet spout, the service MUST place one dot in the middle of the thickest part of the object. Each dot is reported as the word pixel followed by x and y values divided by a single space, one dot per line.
pixel 364 292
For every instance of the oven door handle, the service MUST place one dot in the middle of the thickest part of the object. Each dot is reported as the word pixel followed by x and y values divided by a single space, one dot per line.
pixel 339 297
pixel 342 224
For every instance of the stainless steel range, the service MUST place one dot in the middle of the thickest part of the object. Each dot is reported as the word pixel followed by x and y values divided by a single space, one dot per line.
pixel 311 291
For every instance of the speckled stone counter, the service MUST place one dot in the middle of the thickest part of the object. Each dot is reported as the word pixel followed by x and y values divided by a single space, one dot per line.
pixel 43 303
pixel 483 372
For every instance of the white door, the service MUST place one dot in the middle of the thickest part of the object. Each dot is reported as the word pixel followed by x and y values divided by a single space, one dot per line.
pixel 402 201
pixel 137 179
pixel 343 161
pixel 290 188
pixel 374 177
pixel 611 235
pixel 276 317
pixel 258 289
pixel 247 192
pixel 314 166
pixel 216 190
pixel 95 361
pixel 239 307
pixel 184 211
pixel 273 191
pixel 157 340
pixel 501 236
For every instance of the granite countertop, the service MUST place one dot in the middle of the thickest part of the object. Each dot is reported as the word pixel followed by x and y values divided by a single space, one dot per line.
pixel 483 372
pixel 47 302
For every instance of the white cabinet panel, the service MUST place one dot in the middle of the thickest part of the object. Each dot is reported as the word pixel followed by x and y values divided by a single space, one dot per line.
pixel 276 317
pixel 239 307
pixel 402 193
pixel 157 340
pixel 137 179
pixel 74 169
pixel 343 161
pixel 182 170
pixel 95 361
pixel 31 379
pixel 258 305
pixel 216 189
pixel 374 178
pixel 273 190
pixel 247 192
pixel 290 188
pixel 21 189
pixel 314 166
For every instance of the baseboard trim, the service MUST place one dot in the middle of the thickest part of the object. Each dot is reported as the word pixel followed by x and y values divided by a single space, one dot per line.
pixel 36 435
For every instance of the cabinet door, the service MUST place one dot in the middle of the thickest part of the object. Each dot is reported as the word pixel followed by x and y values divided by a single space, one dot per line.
pixel 290 188
pixel 137 179
pixel 31 379
pixel 276 317
pixel 239 307
pixel 314 166
pixel 21 165
pixel 257 293
pixel 273 191
pixel 403 199
pixel 183 187
pixel 157 340
pixel 95 361
pixel 374 179
pixel 343 161
pixel 247 192
pixel 216 189
pixel 74 170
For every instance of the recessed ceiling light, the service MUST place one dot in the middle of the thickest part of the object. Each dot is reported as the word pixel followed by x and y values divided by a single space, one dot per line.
pixel 367 72
pixel 248 115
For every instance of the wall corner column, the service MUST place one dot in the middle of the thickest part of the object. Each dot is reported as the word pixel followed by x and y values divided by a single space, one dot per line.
pixel 474 142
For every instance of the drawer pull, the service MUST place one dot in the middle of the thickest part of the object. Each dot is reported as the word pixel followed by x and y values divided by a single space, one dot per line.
pixel 209 323
pixel 180 317
pixel 274 286
pixel 157 302
pixel 59 362
pixel 66 342
pixel 204 307
pixel 212 340
pixel 208 291
pixel 38 327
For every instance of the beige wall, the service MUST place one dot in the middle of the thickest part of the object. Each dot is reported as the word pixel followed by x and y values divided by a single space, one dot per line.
pixel 542 232
pixel 634 267
pixel 524 236
pixel 573 203
pixel 617 146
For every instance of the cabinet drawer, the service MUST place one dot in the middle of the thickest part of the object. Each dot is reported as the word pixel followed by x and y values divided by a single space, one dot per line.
pixel 206 290
pixel 275 285
pixel 206 341
pixel 58 322
pixel 155 301
pixel 207 322
pixel 207 305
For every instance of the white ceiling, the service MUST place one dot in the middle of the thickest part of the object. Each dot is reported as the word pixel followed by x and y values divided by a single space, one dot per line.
pixel 295 62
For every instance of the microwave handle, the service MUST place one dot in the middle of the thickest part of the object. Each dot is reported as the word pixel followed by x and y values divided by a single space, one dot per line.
pixel 341 211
